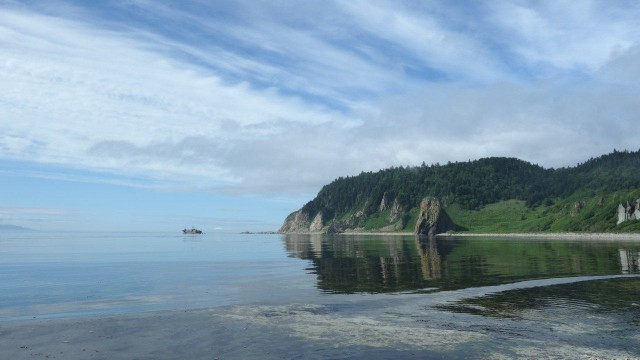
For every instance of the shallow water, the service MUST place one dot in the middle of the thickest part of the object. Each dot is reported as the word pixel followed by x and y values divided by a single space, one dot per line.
pixel 444 296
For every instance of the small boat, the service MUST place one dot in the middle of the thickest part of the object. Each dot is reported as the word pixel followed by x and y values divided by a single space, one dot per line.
pixel 193 230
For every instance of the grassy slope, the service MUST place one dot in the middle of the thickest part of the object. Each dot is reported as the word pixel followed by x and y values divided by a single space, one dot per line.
pixel 514 216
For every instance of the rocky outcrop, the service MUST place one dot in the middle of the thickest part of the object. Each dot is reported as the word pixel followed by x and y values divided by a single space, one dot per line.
pixel 339 227
pixel 297 222
pixel 316 224
pixel 432 219
pixel 384 203
pixel 393 227
pixel 622 214
pixel 628 212
pixel 396 211
pixel 577 207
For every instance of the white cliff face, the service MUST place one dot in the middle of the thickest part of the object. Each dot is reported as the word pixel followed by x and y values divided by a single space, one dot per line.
pixel 297 222
pixel 622 214
pixel 316 224
pixel 628 212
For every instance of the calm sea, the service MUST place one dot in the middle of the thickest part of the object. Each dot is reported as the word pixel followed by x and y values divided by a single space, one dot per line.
pixel 528 282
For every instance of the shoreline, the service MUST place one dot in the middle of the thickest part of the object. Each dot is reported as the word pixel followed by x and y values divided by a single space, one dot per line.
pixel 566 236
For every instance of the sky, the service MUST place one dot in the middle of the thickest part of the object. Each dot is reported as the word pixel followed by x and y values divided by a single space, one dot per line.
pixel 145 115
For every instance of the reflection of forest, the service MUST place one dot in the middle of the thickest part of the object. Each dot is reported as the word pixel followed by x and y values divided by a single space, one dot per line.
pixel 348 264
pixel 368 264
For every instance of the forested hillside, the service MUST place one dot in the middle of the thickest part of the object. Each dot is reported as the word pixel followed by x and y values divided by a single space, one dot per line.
pixel 465 189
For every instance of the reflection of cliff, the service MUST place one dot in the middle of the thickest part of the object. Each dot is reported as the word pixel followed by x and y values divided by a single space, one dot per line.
pixel 350 264
pixel 629 261
pixel 379 264
pixel 429 259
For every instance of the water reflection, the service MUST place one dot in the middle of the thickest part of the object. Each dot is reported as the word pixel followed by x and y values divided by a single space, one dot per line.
pixel 629 261
pixel 613 296
pixel 374 264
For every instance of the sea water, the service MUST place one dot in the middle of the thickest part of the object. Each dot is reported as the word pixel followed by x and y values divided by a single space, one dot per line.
pixel 581 293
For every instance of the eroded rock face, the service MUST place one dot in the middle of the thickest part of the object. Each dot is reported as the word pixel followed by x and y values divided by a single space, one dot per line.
pixel 577 207
pixel 297 222
pixel 384 203
pixel 431 219
pixel 631 212
pixel 622 214
pixel 396 211
pixel 628 212
pixel 339 227
pixel 316 224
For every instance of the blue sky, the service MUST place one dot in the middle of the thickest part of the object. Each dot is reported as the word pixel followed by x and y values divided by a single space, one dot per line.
pixel 139 115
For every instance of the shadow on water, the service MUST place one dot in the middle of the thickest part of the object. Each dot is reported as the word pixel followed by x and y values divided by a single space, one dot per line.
pixel 613 296
pixel 378 264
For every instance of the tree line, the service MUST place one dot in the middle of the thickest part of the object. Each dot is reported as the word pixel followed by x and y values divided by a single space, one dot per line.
pixel 473 184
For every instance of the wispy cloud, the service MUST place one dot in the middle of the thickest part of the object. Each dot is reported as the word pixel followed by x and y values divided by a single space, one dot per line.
pixel 279 98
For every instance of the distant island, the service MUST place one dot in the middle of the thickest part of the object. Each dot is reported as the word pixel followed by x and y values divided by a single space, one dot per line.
pixel 489 195
pixel 8 227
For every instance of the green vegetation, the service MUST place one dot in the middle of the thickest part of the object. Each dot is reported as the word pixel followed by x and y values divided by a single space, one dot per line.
pixel 491 195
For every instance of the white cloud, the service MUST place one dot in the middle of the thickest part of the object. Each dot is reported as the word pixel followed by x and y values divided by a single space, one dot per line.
pixel 428 39
pixel 249 117
pixel 582 35
pixel 67 88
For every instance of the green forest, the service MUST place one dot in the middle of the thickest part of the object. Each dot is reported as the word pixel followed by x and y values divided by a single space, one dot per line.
pixel 493 194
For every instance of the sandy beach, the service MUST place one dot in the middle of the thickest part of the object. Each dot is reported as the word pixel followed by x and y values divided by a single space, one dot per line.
pixel 567 236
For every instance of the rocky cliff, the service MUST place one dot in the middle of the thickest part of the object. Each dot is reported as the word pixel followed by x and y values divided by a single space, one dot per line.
pixel 628 212
pixel 485 195
pixel 432 219
pixel 297 222
pixel 389 217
